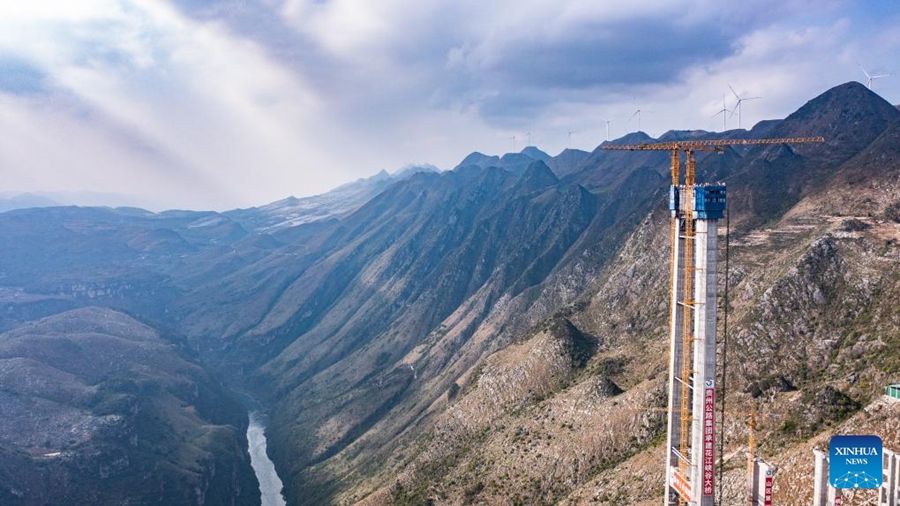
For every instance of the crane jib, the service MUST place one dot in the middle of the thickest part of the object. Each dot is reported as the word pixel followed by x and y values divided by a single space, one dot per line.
pixel 708 143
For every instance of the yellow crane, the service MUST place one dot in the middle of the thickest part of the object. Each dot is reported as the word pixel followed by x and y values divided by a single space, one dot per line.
pixel 690 148
pixel 751 453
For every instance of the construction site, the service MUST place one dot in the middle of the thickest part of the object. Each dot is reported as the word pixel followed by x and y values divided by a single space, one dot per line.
pixel 695 432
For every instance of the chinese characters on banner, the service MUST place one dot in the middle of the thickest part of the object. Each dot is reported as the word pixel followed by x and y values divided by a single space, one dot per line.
pixel 709 440
pixel 767 500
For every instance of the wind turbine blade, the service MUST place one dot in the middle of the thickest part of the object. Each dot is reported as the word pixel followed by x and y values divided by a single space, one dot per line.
pixel 864 70
pixel 751 98
pixel 734 93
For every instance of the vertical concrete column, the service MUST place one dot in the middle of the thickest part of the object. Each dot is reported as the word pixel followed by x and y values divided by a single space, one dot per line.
pixel 676 312
pixel 753 484
pixel 763 477
pixel 820 483
pixel 703 427
pixel 889 495
pixel 895 483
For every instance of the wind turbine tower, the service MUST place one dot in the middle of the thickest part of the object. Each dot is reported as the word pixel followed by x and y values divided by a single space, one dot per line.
pixel 871 78
pixel 738 106
pixel 723 111
pixel 638 114
pixel 607 121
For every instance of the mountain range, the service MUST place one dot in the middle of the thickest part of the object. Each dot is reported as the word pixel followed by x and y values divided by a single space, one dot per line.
pixel 492 334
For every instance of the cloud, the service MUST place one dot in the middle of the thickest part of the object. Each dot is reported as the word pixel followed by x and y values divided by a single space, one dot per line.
pixel 215 107
pixel 239 102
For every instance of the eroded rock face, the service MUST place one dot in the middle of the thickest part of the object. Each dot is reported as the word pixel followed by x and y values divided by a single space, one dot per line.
pixel 97 408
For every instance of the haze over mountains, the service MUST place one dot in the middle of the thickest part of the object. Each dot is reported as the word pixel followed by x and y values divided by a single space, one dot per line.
pixel 480 335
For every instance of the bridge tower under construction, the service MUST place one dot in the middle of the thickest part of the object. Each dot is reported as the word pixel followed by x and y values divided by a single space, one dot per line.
pixel 696 211
pixel 690 461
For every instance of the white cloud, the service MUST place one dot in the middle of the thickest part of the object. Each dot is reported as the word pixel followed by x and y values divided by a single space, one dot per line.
pixel 239 103
pixel 215 105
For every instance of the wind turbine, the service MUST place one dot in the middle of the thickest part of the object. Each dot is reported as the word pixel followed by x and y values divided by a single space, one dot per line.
pixel 738 105
pixel 528 136
pixel 514 143
pixel 871 78
pixel 569 142
pixel 722 111
pixel 638 114
pixel 607 121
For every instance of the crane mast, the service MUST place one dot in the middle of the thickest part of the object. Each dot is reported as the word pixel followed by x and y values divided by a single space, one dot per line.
pixel 695 211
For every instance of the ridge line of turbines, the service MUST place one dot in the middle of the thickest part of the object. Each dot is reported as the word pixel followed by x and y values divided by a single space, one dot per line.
pixel 724 111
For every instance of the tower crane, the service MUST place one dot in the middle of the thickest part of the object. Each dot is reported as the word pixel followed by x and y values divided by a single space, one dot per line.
pixel 695 213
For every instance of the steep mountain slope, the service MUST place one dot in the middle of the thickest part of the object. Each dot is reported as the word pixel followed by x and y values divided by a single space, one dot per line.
pixel 384 310
pixel 291 212
pixel 814 336
pixel 96 408
pixel 458 242
pixel 849 116
pixel 488 334
pixel 384 387
pixel 567 161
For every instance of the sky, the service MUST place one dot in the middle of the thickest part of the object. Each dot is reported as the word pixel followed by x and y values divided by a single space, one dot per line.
pixel 220 104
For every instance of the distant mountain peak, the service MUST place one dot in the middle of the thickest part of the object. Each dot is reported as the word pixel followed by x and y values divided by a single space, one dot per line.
pixel 413 168
pixel 843 101
pixel 682 135
pixel 632 138
pixel 570 151
pixel 480 159
pixel 567 161
pixel 535 153
pixel 538 176
pixel 849 116
pixel 514 156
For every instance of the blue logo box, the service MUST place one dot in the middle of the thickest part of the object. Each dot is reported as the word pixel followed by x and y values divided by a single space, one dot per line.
pixel 855 462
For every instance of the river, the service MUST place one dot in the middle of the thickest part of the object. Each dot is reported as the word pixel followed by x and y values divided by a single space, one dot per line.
pixel 270 484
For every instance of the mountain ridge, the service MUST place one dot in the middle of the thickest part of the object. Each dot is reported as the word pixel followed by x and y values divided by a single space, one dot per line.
pixel 437 341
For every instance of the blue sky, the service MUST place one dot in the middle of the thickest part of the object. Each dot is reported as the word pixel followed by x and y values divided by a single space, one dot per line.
pixel 199 104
